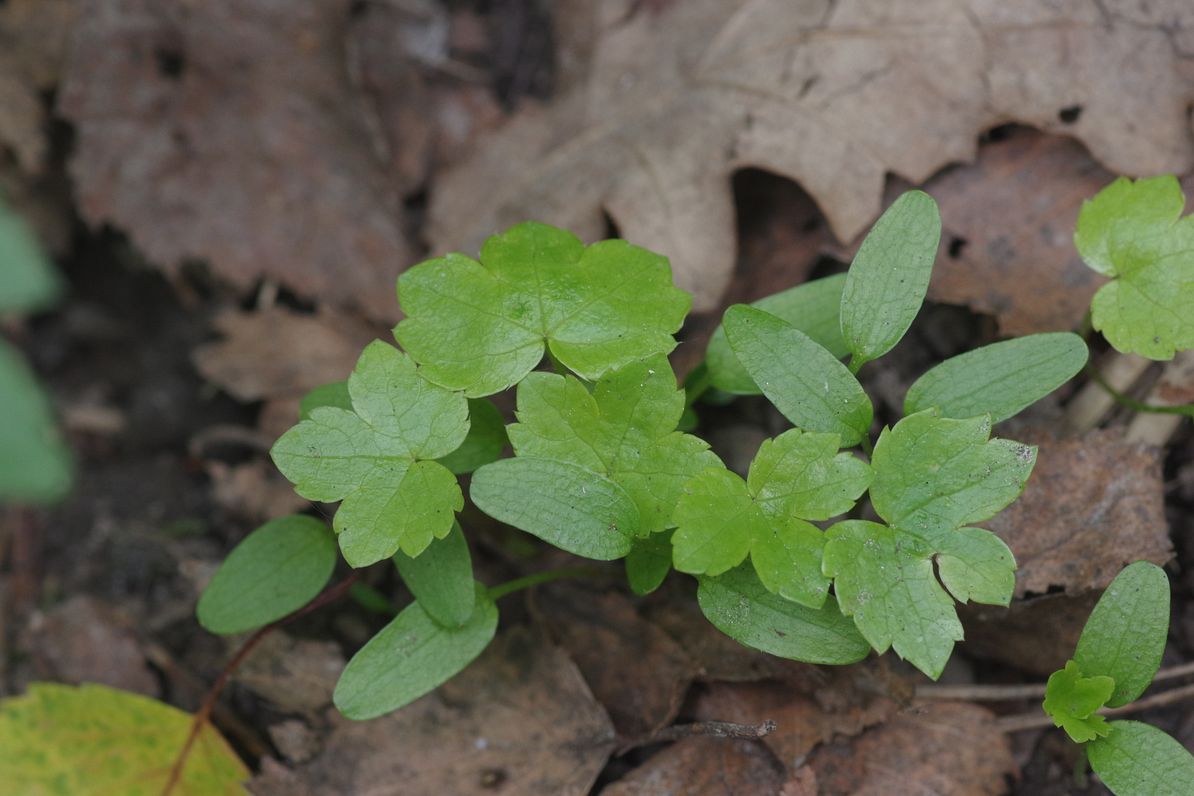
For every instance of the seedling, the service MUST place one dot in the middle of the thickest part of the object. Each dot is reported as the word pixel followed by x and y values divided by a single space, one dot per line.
pixel 1117 657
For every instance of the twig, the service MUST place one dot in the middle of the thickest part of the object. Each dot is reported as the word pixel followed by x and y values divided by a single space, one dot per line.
pixel 1011 693
pixel 203 715
pixel 705 729
pixel 1037 720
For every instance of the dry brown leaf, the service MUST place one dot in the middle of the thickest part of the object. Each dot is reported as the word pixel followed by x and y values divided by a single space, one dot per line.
pixel 1092 505
pixel 1035 635
pixel 947 747
pixel 228 131
pixel 519 720
pixel 832 94
pixel 279 353
pixel 705 766
pixel 643 691
pixel 254 491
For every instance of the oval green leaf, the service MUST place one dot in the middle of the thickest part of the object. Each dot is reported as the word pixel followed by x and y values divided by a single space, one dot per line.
pixel 811 307
pixel 889 276
pixel 571 507
pixel 807 384
pixel 1125 634
pixel 333 394
pixel 275 570
pixel 484 442
pixel 28 282
pixel 35 464
pixel 441 578
pixel 1137 759
pixel 648 562
pixel 1000 379
pixel 738 605
pixel 410 657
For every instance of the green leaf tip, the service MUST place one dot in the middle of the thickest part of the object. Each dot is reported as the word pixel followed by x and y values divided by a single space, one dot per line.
pixel 35 464
pixel 1133 232
pixel 481 326
pixel 1137 759
pixel 1071 700
pixel 441 578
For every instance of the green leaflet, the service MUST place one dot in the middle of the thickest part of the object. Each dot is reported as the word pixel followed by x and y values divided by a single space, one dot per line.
pixel 1137 759
pixel 794 478
pixel 887 281
pixel 805 382
pixel 811 308
pixel 1134 232
pixel 333 394
pixel 624 429
pixel 376 458
pixel 1125 634
pixel 932 476
pixel 485 440
pixel 1072 699
pixel 275 570
pixel 35 464
pixel 574 508
pixel 648 562
pixel 1000 379
pixel 737 604
pixel 481 326
pixel 410 657
pixel 441 578
pixel 28 282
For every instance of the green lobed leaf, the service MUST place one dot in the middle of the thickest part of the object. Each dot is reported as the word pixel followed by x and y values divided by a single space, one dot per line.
pixel 794 478
pixel 1071 700
pixel 1134 232
pixel 482 326
pixel 648 562
pixel 934 474
pixel 410 657
pixel 35 464
pixel 738 605
pixel 888 279
pixel 62 740
pixel 1137 759
pixel 485 441
pixel 441 578
pixel 1125 635
pixel 576 509
pixel 28 282
pixel 275 570
pixel 378 458
pixel 811 307
pixel 334 394
pixel 624 429
pixel 1001 379
pixel 806 383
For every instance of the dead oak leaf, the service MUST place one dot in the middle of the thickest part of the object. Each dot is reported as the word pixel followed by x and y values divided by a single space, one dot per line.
pixel 832 94
pixel 228 131
pixel 708 766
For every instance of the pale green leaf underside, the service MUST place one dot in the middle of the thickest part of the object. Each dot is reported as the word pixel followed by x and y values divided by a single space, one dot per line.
pixel 28 282
pixel 1137 759
pixel 275 570
pixel 888 279
pixel 573 508
pixel 1134 233
pixel 1071 700
pixel 35 464
pixel 624 429
pixel 481 326
pixel 811 307
pixel 377 458
pixel 1000 379
pixel 441 578
pixel 411 657
pixel 737 604
pixel 807 384
pixel 1126 633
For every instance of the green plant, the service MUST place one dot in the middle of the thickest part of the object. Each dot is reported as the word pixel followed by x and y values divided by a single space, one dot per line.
pixel 1117 657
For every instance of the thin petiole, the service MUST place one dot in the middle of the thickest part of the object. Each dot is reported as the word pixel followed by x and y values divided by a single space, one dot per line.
pixel 547 576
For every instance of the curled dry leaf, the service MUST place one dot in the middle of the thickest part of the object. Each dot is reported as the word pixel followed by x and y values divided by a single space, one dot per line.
pixel 519 720
pixel 1092 505
pixel 708 766
pixel 834 95
pixel 228 131
pixel 947 747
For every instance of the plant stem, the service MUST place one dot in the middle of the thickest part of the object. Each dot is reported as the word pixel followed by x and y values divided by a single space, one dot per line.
pixel 865 442
pixel 203 715
pixel 1132 403
pixel 547 576
pixel 1011 693
pixel 707 729
pixel 856 364
pixel 1037 720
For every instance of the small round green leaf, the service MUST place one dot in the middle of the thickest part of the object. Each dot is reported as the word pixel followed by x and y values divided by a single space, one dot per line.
pixel 333 394
pixel 35 464
pixel 1001 379
pixel 649 561
pixel 411 657
pixel 738 605
pixel 571 507
pixel 275 570
pixel 1125 634
pixel 1137 759
pixel 441 578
